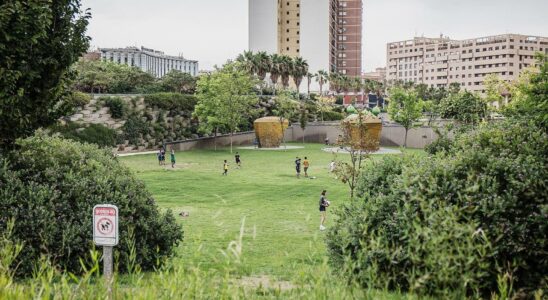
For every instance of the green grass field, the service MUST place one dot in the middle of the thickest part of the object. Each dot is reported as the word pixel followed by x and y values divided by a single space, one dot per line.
pixel 281 230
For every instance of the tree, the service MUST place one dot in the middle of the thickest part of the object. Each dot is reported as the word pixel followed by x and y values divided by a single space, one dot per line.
pixel 359 144
pixel 286 67
pixel 179 82
pixel 226 98
pixel 262 63
pixel 39 41
pixel 299 70
pixel 275 69
pixel 530 95
pixel 303 117
pixel 325 104
pixel 286 108
pixel 321 78
pixel 405 108
pixel 309 77
pixel 465 107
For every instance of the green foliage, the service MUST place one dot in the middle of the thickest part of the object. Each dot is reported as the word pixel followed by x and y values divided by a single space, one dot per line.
pixel 530 98
pixel 39 41
pixel 464 107
pixel 171 101
pixel 332 116
pixel 477 210
pixel 109 77
pixel 176 81
pixel 117 106
pixel 93 133
pixel 134 129
pixel 405 108
pixel 225 99
pixel 49 187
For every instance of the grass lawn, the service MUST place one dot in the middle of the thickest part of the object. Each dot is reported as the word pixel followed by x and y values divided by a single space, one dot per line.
pixel 281 232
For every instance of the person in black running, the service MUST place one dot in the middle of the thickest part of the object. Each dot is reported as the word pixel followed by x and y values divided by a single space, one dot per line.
pixel 238 161
pixel 298 166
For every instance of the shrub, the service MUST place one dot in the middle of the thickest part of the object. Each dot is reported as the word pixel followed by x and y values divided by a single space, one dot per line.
pixel 332 116
pixel 116 105
pixel 134 129
pixel 171 101
pixel 94 133
pixel 476 210
pixel 49 187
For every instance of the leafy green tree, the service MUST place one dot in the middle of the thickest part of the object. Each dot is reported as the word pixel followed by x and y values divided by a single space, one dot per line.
pixel 465 107
pixel 226 98
pixel 530 96
pixel 179 82
pixel 405 108
pixel 39 41
pixel 286 109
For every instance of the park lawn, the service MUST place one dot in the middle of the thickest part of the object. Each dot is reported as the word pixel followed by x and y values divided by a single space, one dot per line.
pixel 278 212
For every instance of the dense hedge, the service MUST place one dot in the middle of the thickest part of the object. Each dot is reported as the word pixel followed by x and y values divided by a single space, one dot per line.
pixel 171 101
pixel 49 187
pixel 117 106
pixel 332 116
pixel 93 133
pixel 454 222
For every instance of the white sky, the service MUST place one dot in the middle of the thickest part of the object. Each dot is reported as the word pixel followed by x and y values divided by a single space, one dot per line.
pixel 212 31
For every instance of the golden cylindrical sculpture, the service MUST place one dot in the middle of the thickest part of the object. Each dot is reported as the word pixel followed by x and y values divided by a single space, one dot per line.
pixel 364 134
pixel 268 131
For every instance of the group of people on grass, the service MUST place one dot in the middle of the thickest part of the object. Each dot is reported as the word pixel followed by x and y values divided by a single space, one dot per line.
pixel 161 154
pixel 324 203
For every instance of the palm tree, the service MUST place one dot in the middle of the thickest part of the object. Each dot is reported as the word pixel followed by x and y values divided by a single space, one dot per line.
pixel 246 60
pixel 299 70
pixel 321 78
pixel 285 70
pixel 262 62
pixel 356 85
pixel 309 77
pixel 275 68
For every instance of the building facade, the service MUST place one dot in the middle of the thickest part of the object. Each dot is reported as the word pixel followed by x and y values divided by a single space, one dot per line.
pixel 326 33
pixel 378 75
pixel 438 62
pixel 149 60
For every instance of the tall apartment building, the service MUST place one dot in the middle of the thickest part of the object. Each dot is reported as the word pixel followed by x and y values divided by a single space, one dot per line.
pixel 149 60
pixel 439 62
pixel 326 33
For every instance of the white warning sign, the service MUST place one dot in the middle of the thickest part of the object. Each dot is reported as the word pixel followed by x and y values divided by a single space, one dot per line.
pixel 105 225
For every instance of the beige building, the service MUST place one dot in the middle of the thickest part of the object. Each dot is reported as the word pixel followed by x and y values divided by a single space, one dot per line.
pixel 378 75
pixel 439 62
pixel 326 33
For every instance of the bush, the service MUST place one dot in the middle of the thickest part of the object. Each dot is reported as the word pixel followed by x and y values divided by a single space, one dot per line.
pixel 134 129
pixel 94 133
pixel 477 210
pixel 171 101
pixel 332 116
pixel 49 187
pixel 116 105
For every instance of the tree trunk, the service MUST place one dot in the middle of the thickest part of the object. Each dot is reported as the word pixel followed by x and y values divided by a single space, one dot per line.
pixel 231 133
pixel 303 134
pixel 215 138
pixel 405 141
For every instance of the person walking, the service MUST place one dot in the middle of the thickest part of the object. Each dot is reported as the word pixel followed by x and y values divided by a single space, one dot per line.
pixel 298 166
pixel 163 156
pixel 238 161
pixel 332 166
pixel 306 164
pixel 172 155
pixel 225 168
pixel 324 203
pixel 159 155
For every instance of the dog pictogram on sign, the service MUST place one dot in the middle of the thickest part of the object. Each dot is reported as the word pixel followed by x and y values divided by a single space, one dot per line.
pixel 105 225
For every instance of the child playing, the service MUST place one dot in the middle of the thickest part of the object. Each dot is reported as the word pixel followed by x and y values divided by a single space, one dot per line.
pixel 172 158
pixel 238 161
pixel 225 168
pixel 306 164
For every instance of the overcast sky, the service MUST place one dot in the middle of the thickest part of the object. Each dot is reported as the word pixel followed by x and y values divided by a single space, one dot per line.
pixel 212 31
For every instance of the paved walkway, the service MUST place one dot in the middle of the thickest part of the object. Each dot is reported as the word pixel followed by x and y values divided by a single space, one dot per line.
pixel 271 149
pixel 381 150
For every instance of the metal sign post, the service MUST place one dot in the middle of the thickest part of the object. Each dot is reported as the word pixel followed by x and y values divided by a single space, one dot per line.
pixel 105 233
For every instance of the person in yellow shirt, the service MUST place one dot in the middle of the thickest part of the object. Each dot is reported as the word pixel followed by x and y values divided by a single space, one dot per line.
pixel 225 168
pixel 306 164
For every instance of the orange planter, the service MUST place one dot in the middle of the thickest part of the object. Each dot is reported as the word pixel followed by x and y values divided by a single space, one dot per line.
pixel 268 131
